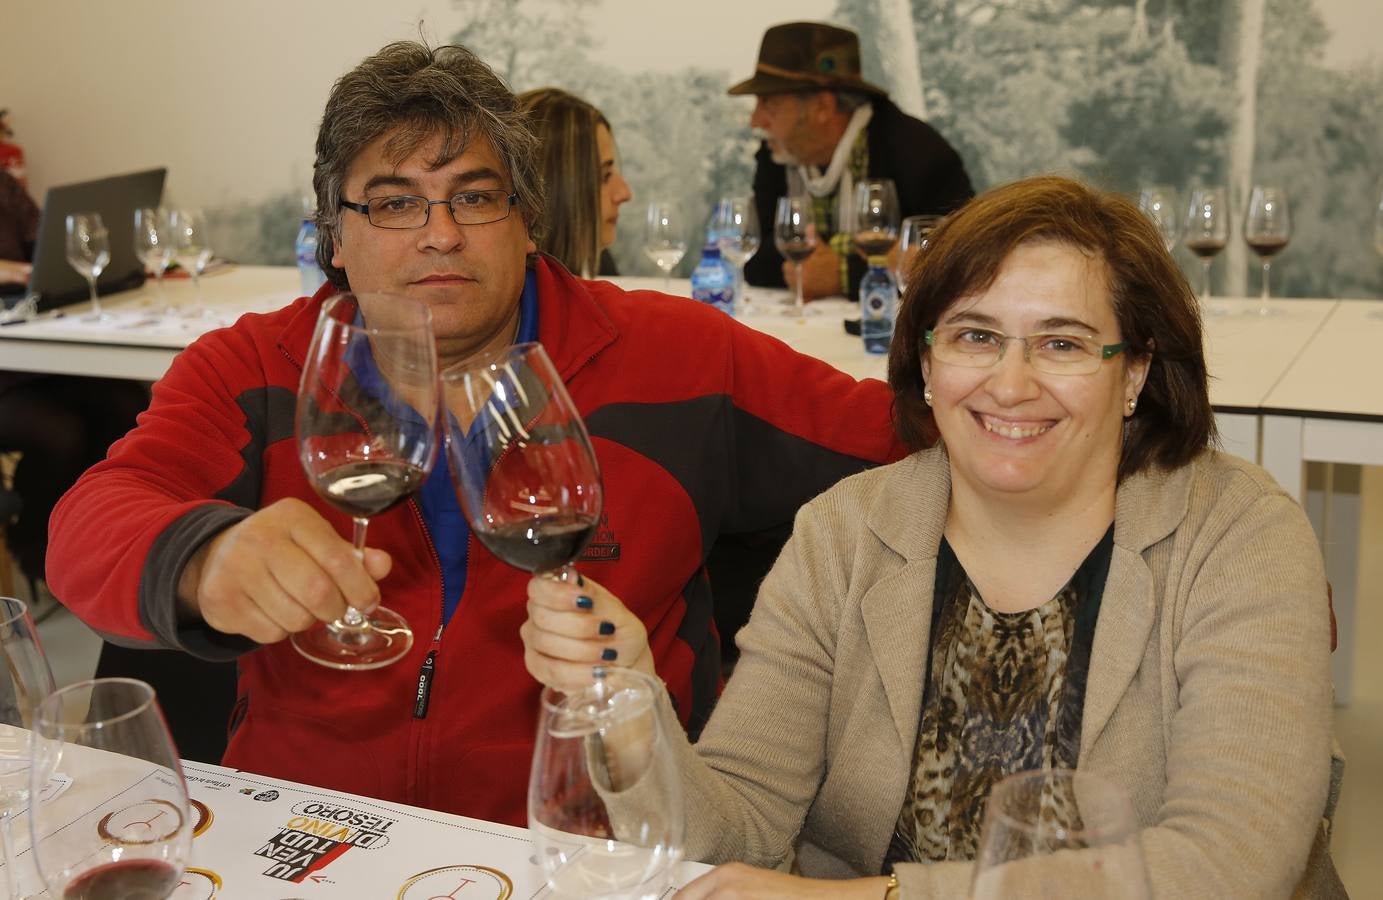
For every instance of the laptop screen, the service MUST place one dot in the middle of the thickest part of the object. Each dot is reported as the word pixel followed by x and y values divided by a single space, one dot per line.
pixel 115 198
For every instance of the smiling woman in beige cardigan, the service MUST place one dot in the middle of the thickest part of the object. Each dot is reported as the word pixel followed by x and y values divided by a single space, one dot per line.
pixel 1073 578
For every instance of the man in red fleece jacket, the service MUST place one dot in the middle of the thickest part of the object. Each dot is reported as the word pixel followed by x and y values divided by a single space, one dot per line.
pixel 200 532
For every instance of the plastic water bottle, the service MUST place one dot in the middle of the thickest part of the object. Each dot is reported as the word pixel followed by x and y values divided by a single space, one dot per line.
pixel 878 305
pixel 305 247
pixel 712 281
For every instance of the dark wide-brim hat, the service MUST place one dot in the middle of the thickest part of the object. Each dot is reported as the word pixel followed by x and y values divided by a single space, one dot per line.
pixel 807 56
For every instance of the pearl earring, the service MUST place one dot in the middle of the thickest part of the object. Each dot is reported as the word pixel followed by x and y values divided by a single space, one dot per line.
pixel 1132 405
pixel 927 396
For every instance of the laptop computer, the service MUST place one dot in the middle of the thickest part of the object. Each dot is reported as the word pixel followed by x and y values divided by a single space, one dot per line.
pixel 116 198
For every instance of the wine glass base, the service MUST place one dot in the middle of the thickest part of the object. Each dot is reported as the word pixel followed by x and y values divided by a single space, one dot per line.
pixel 103 317
pixel 383 640
pixel 807 311
pixel 1263 312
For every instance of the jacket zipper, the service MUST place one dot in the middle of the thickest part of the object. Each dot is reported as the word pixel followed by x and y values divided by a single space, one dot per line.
pixel 428 673
pixel 425 675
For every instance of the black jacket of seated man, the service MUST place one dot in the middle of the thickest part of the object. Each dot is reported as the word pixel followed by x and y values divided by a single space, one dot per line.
pixel 927 171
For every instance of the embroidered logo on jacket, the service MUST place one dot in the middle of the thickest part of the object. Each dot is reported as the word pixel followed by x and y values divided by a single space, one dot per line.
pixel 603 547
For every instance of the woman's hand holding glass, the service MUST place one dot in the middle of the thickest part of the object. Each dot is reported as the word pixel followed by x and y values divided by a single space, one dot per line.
pixel 573 627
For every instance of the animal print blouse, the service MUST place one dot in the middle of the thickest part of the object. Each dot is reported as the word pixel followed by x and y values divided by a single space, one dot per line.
pixel 1003 694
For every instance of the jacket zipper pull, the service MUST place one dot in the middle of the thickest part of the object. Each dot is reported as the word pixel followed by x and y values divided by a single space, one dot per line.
pixel 425 676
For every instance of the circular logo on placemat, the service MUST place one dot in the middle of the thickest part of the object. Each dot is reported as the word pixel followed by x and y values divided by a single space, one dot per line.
pixel 147 822
pixel 448 881
pixel 204 817
pixel 197 884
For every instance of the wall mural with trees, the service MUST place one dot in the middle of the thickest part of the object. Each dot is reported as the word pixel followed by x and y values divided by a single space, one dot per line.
pixel 1121 93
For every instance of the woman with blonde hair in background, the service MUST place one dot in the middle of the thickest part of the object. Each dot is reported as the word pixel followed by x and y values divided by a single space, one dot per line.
pixel 582 178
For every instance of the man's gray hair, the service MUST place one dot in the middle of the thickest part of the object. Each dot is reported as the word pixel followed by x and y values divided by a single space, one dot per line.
pixel 418 93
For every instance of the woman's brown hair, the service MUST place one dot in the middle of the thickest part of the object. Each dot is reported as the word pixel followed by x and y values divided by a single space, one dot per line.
pixel 569 160
pixel 1153 304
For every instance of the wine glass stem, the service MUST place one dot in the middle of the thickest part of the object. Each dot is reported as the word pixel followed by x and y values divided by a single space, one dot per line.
pixel 197 289
pixel 95 301
pixel 7 838
pixel 354 618
pixel 1267 264
pixel 798 301
pixel 1205 277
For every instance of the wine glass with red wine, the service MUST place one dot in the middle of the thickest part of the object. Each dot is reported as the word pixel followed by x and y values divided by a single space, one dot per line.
pixel 1207 229
pixel 521 461
pixel 123 828
pixel 368 405
pixel 1267 229
pixel 794 234
pixel 876 217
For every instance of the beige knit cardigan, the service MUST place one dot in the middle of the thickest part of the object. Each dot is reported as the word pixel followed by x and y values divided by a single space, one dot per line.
pixel 1209 695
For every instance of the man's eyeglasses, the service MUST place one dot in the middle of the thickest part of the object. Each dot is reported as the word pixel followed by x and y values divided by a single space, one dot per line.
pixel 408 211
pixel 1054 354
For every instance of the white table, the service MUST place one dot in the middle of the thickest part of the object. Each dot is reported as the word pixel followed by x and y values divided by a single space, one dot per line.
pixel 1328 408
pixel 138 343
pixel 1247 355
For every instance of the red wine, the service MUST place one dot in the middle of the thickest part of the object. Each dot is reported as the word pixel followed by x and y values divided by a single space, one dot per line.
pixel 1267 247
pixel 538 545
pixel 796 250
pixel 126 879
pixel 873 243
pixel 1205 247
pixel 367 489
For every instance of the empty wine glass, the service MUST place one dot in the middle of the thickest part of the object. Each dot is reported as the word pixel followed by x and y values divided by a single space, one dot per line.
pixel 26 680
pixel 1267 229
pixel 664 241
pixel 912 239
pixel 1159 203
pixel 876 217
pixel 192 247
pixel 153 246
pixel 88 251
pixel 794 234
pixel 1207 229
pixel 605 799
pixel 736 225
pixel 521 460
pixel 1047 830
pixel 123 828
pixel 366 426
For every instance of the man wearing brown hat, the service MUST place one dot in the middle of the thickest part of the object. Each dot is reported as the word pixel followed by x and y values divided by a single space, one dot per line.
pixel 825 128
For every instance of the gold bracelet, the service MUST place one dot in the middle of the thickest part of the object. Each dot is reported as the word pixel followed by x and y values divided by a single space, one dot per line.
pixel 891 892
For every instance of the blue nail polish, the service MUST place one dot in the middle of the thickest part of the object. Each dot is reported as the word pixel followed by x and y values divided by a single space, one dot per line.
pixel 607 628
pixel 609 654
pixel 584 602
